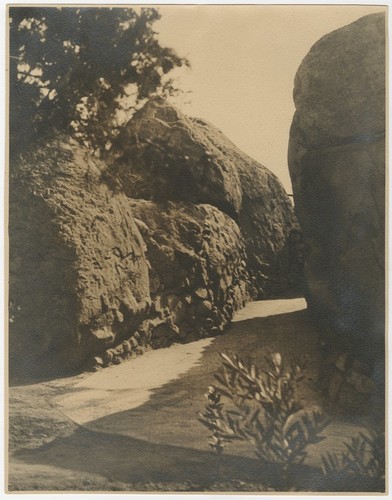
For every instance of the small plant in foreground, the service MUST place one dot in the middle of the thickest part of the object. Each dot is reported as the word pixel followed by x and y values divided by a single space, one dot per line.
pixel 363 458
pixel 264 410
pixel 213 413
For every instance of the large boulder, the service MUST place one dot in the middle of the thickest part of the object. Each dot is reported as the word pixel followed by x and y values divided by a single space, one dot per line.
pixel 198 274
pixel 337 166
pixel 167 156
pixel 161 244
pixel 266 219
pixel 78 271
pixel 96 277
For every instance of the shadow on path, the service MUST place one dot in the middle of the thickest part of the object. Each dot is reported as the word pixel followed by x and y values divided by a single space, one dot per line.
pixel 128 460
pixel 170 416
pixel 162 440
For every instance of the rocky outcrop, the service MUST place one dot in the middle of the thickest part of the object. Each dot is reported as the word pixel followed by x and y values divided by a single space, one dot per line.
pixel 96 277
pixel 161 244
pixel 337 166
pixel 197 276
pixel 198 271
pixel 169 156
pixel 166 156
pixel 78 271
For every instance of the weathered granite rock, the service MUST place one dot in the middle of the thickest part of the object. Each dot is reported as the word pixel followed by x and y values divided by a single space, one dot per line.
pixel 197 269
pixel 78 272
pixel 266 219
pixel 168 156
pixel 162 246
pixel 96 277
pixel 337 166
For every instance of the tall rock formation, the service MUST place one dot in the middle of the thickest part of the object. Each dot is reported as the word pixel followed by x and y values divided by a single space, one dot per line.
pixel 198 270
pixel 78 271
pixel 166 155
pixel 162 244
pixel 337 166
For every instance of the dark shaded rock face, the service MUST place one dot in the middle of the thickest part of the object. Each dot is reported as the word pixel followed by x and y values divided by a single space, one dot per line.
pixel 163 246
pixel 168 156
pixel 78 271
pixel 337 165
pixel 197 266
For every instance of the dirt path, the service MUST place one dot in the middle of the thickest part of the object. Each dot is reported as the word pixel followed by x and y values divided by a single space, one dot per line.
pixel 131 385
pixel 137 422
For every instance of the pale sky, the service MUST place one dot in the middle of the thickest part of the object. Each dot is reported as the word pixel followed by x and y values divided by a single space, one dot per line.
pixel 244 59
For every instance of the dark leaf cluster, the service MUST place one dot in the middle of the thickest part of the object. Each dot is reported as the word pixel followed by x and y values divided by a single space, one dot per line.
pixel 363 458
pixel 266 410
pixel 83 70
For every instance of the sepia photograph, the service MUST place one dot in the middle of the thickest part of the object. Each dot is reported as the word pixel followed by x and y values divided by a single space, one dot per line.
pixel 195 249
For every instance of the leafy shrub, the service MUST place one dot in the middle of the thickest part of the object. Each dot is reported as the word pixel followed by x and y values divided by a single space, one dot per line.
pixel 363 460
pixel 265 410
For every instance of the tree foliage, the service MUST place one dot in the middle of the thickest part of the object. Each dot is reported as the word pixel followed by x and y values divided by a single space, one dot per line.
pixel 83 70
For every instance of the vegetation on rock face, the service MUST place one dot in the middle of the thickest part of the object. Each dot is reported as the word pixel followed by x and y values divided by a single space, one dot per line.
pixel 83 70
pixel 172 265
